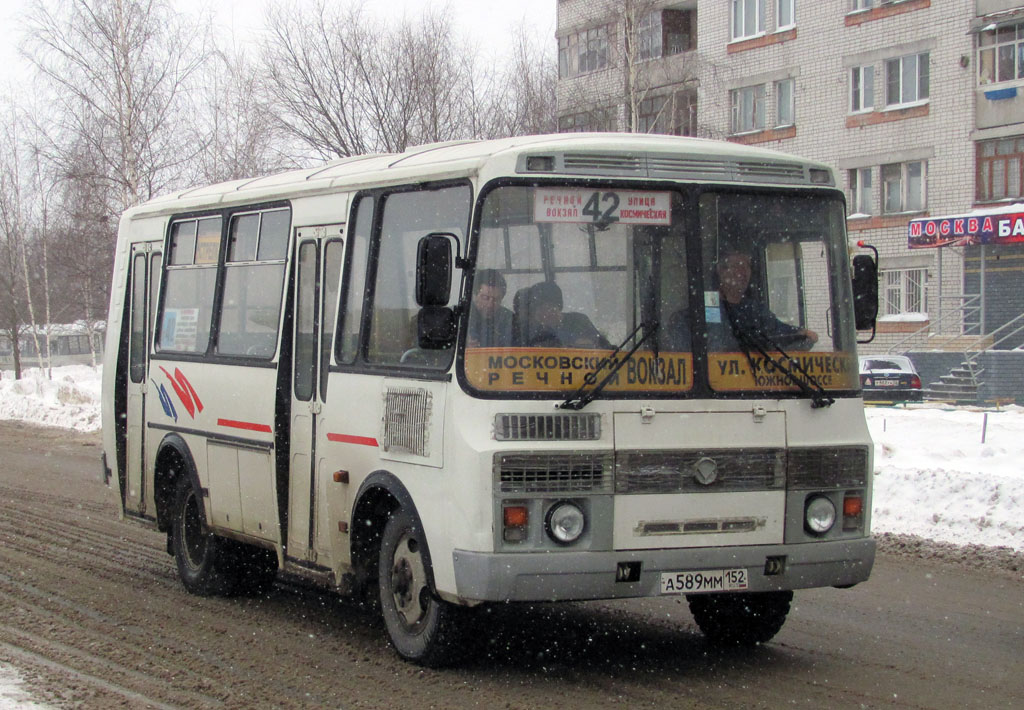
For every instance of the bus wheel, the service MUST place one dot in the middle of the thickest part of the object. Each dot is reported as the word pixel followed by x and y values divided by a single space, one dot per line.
pixel 421 627
pixel 204 560
pixel 740 619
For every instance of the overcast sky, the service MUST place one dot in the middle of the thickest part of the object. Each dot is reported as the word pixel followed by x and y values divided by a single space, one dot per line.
pixel 488 22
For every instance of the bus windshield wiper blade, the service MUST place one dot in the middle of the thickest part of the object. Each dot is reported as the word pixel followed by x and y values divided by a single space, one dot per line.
pixel 786 364
pixel 582 397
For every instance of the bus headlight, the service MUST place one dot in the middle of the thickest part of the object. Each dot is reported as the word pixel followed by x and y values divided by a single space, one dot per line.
pixel 564 522
pixel 819 515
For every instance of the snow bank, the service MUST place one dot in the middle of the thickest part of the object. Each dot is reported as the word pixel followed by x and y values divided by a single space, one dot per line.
pixel 935 478
pixel 71 400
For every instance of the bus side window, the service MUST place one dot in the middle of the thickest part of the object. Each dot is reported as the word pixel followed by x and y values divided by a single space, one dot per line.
pixel 407 217
pixel 355 282
pixel 187 308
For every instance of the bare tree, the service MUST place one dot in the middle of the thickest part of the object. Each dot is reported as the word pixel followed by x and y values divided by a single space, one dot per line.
pixel 520 100
pixel 118 70
pixel 239 134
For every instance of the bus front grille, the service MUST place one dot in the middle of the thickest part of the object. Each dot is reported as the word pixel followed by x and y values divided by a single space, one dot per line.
pixel 701 471
pixel 554 473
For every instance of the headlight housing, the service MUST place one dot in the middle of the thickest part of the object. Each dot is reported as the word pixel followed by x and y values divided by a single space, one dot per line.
pixel 565 522
pixel 819 515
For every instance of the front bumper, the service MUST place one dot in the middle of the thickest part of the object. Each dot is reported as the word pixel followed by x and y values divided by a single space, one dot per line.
pixel 559 576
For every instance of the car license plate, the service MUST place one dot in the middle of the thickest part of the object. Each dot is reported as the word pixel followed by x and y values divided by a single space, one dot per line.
pixel 716 580
pixel 887 383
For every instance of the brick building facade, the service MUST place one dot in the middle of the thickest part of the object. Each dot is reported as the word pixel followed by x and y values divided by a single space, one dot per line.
pixel 918 104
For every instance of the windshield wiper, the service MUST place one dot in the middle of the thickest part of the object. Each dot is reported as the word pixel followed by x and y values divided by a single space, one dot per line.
pixel 810 386
pixel 582 397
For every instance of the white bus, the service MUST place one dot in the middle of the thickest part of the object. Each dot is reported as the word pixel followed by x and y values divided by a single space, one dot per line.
pixel 548 368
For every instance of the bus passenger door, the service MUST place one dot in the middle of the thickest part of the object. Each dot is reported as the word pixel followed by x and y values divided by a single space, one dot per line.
pixel 145 277
pixel 318 269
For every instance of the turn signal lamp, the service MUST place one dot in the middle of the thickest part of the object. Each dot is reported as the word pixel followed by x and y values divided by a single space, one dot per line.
pixel 853 511
pixel 516 518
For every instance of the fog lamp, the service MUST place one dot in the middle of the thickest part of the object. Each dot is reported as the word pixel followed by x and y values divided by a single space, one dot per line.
pixel 565 522
pixel 819 515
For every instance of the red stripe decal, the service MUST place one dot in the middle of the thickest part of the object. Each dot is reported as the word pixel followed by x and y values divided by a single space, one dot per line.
pixel 248 426
pixel 347 439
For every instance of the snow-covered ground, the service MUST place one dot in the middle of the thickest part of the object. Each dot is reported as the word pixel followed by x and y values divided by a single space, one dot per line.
pixel 934 477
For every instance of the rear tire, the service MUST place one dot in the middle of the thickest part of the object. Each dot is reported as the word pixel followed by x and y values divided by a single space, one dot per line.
pixel 740 619
pixel 205 561
pixel 422 628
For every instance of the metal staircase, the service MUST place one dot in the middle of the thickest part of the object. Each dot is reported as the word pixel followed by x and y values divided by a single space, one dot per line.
pixel 961 384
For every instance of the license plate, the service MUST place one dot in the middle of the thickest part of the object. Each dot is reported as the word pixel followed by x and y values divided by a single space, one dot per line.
pixel 887 383
pixel 715 580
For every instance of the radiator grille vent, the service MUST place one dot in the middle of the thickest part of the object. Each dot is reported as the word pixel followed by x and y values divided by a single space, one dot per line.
pixel 554 473
pixel 547 427
pixel 834 467
pixel 406 421
pixel 676 471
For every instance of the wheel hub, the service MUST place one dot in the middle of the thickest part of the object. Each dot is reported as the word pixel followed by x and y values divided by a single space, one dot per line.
pixel 409 582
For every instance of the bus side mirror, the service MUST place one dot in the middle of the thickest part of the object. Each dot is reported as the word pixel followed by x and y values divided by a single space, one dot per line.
pixel 435 328
pixel 865 292
pixel 434 270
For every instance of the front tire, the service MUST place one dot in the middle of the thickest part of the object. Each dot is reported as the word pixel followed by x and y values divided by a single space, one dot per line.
pixel 422 628
pixel 740 619
pixel 205 561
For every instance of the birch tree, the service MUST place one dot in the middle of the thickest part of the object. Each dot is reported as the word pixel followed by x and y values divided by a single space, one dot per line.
pixel 118 71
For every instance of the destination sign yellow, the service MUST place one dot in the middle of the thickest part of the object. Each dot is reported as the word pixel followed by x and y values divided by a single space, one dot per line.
pixel 734 371
pixel 561 369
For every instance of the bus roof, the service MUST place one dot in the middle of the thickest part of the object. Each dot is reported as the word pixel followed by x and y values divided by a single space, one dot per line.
pixel 626 155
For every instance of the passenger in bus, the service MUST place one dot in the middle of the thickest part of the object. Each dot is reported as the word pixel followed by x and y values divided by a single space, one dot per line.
pixel 541 322
pixel 490 323
pixel 743 311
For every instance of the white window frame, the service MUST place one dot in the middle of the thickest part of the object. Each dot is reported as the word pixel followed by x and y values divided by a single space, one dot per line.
pixel 740 19
pixel 992 46
pixel 900 195
pixel 908 92
pixel 785 103
pixel 862 89
pixel 747 106
pixel 903 291
pixel 861 191
pixel 780 23
pixel 862 5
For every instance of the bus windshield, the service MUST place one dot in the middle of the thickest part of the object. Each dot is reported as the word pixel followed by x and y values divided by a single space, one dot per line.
pixel 748 283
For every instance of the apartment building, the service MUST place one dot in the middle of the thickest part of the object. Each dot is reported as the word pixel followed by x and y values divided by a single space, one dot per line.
pixel 918 104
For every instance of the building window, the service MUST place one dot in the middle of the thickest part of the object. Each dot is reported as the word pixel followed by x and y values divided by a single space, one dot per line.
pixel 675 114
pixel 1000 169
pixel 747 18
pixel 747 108
pixel 662 33
pixel 903 291
pixel 860 191
pixel 786 16
pixel 583 52
pixel 906 79
pixel 586 121
pixel 903 187
pixel 1001 54
pixel 863 4
pixel 593 46
pixel 862 89
pixel 784 106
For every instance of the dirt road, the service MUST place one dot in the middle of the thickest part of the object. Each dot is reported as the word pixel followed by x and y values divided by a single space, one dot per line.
pixel 93 616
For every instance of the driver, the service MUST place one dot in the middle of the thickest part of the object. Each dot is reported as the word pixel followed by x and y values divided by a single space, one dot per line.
pixel 741 309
